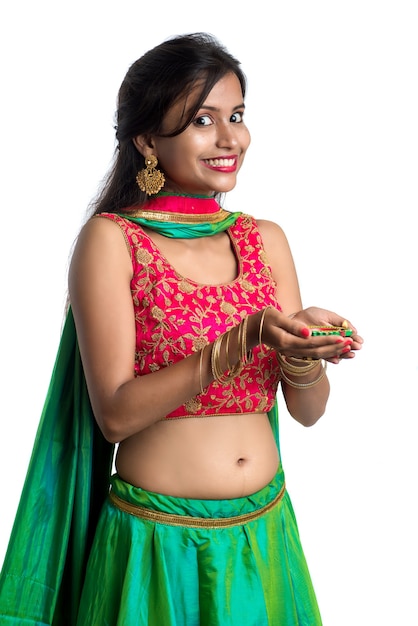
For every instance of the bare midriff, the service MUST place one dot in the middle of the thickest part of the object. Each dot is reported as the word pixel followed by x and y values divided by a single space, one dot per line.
pixel 224 456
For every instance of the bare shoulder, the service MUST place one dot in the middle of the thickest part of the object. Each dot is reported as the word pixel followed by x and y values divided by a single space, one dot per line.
pixel 103 229
pixel 101 251
pixel 273 236
pixel 280 259
pixel 103 238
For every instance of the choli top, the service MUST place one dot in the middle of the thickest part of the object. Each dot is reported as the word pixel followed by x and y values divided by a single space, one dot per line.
pixel 175 317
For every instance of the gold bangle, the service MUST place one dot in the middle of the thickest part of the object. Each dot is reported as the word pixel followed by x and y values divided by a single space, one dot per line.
pixel 226 374
pixel 217 370
pixel 241 340
pixel 247 356
pixel 228 365
pixel 215 359
pixel 243 351
pixel 292 383
pixel 260 328
pixel 304 360
pixel 236 369
pixel 297 370
pixel 200 369
pixel 233 370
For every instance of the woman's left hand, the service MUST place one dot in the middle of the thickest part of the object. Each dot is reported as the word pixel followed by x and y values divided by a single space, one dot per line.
pixel 315 316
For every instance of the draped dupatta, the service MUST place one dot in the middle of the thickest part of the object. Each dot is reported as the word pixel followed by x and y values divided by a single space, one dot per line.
pixel 66 483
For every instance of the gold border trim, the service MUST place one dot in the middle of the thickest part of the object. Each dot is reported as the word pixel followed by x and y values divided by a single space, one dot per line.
pixel 199 416
pixel 181 218
pixel 192 522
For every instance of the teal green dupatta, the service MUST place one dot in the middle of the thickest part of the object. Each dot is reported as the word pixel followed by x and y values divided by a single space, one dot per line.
pixel 186 231
pixel 66 484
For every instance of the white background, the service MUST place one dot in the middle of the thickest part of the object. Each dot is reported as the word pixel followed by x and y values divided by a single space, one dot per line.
pixel 332 108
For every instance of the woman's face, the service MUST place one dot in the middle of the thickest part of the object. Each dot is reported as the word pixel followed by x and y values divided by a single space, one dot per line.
pixel 206 157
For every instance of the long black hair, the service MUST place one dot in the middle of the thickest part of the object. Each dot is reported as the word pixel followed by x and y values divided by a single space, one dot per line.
pixel 152 85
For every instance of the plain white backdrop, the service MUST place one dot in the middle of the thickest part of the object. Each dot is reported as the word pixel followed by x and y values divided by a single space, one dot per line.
pixel 332 107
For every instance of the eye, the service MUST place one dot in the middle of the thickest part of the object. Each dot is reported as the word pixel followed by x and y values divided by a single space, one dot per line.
pixel 237 117
pixel 203 120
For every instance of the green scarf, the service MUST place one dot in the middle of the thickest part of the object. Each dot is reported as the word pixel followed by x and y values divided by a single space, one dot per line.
pixel 185 231
pixel 66 484
pixel 183 216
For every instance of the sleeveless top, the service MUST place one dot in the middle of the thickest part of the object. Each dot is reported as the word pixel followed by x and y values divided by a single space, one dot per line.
pixel 175 317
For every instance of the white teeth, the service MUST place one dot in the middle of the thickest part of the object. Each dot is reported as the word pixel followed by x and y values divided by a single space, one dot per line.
pixel 220 162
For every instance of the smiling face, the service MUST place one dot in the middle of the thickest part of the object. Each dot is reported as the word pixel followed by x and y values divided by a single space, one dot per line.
pixel 206 157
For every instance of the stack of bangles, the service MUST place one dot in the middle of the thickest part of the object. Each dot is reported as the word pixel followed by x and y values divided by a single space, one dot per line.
pixel 287 366
pixel 222 371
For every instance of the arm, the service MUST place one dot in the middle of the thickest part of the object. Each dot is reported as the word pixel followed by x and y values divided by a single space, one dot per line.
pixel 306 405
pixel 99 286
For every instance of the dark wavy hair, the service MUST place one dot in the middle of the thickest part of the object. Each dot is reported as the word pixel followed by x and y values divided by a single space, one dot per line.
pixel 152 85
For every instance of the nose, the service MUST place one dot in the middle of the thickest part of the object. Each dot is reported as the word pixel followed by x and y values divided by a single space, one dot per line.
pixel 227 135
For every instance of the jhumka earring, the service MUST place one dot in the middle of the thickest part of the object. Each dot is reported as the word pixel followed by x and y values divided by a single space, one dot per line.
pixel 150 179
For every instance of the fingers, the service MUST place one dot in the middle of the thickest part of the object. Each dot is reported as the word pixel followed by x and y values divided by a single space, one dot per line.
pixel 291 336
pixel 330 348
pixel 279 321
pixel 314 316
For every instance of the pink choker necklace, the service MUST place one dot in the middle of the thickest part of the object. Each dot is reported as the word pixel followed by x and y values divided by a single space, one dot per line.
pixel 187 205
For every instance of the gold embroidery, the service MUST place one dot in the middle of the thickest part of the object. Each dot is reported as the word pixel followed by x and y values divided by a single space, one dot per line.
pixel 199 343
pixel 193 405
pixel 182 218
pixel 143 256
pixel 157 313
pixel 247 286
pixel 227 308
pixel 185 286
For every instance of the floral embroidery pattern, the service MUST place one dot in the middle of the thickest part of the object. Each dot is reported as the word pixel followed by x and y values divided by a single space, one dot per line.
pixel 175 317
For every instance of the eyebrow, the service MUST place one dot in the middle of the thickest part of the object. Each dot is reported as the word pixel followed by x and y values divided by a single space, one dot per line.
pixel 207 107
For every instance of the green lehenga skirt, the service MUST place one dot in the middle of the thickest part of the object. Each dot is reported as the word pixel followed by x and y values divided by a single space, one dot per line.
pixel 163 561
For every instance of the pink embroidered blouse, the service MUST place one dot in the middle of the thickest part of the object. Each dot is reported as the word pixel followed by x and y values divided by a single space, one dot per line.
pixel 176 316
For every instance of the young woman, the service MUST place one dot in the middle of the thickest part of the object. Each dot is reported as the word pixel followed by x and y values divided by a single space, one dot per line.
pixel 187 319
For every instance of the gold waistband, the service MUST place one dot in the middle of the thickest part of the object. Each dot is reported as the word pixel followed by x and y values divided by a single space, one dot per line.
pixel 193 522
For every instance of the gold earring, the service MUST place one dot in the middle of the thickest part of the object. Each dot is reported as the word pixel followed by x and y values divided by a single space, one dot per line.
pixel 150 179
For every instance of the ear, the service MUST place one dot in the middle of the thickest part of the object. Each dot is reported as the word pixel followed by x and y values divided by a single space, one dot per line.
pixel 144 144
